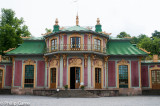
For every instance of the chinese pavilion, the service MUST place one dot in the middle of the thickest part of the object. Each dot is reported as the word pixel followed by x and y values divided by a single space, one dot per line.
pixel 77 56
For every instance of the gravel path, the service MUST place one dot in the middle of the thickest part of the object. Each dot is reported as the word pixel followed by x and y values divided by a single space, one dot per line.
pixel 19 100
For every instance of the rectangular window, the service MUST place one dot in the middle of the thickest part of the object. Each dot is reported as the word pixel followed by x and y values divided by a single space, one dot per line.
pixel 123 76
pixel 75 42
pixel 54 44
pixel 97 44
pixel 29 76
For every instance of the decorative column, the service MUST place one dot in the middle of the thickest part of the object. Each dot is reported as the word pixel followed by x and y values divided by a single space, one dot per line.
pixel 46 71
pixel 105 70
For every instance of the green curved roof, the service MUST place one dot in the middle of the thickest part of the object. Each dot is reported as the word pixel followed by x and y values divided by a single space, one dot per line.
pixel 75 28
pixel 29 47
pixel 123 48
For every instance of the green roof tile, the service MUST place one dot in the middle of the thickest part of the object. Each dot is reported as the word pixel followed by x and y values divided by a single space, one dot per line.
pixel 123 48
pixel 75 28
pixel 29 47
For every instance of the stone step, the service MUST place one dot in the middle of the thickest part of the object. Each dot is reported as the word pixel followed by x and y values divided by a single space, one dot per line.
pixel 5 91
pixel 151 92
pixel 74 93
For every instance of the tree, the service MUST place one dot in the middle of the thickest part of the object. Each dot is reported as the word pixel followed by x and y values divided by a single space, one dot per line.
pixel 136 40
pixel 156 34
pixel 123 35
pixel 11 30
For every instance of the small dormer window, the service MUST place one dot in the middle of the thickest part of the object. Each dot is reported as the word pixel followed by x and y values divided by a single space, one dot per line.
pixel 97 44
pixel 54 44
pixel 75 42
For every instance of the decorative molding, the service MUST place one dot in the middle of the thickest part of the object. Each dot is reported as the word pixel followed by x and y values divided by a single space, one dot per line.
pixel 10 49
pixel 75 61
pixel 106 58
pixel 85 59
pixel 92 58
pixel 64 59
pixel 98 63
pixel 145 50
pixel 29 61
pixel 123 62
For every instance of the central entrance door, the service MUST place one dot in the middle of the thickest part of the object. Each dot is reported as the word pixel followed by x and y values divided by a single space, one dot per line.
pixel 53 78
pixel 1 76
pixel 156 79
pixel 97 78
pixel 74 77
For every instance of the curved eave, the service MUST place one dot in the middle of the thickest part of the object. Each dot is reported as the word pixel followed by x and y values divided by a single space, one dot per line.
pixel 144 55
pixel 74 31
pixel 24 54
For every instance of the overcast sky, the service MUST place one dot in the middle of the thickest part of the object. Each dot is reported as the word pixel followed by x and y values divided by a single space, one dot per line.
pixel 132 16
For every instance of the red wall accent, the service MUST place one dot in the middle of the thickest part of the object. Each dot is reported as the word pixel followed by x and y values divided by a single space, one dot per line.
pixel 65 42
pixel 134 74
pixel 2 66
pixel 8 77
pixel 111 74
pixel 18 73
pixel 85 42
pixel 40 73
pixel 144 76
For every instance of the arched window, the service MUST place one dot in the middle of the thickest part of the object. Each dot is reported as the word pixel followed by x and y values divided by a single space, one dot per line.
pixel 97 44
pixel 75 42
pixel 53 44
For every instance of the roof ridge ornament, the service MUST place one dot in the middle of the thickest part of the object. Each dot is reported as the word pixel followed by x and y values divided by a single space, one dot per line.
pixel 77 20
pixel 56 21
pixel 98 21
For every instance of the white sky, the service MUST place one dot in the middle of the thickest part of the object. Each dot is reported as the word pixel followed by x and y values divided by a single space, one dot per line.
pixel 132 16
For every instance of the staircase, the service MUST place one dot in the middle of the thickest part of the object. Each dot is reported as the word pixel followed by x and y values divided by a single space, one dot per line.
pixel 5 91
pixel 151 92
pixel 74 93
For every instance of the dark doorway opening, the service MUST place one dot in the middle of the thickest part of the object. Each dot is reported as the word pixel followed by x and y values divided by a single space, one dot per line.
pixel 72 78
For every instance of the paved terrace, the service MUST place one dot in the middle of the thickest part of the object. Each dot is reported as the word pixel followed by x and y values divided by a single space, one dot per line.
pixel 103 101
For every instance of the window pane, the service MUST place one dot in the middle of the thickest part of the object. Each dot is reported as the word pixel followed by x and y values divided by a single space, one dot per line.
pixel 29 76
pixel 123 76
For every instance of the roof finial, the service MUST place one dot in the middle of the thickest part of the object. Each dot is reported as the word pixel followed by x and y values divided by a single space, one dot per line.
pixel 77 20
pixel 56 21
pixel 98 21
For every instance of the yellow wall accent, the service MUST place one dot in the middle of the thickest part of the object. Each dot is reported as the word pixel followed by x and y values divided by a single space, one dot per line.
pixel 12 70
pixel 123 62
pixel 150 74
pixel 29 62
pixel 2 76
pixel 140 71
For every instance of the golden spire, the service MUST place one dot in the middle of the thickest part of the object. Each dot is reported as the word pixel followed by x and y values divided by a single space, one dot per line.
pixel 98 21
pixel 56 21
pixel 77 20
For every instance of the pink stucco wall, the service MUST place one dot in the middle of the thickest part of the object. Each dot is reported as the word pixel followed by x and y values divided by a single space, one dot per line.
pixel 134 74
pixel 85 42
pixel 65 42
pixel 40 73
pixel 8 77
pixel 144 76
pixel 18 73
pixel 111 74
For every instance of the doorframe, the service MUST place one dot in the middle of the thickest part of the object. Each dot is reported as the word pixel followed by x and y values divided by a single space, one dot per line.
pixel 2 76
pixel 123 62
pixel 49 77
pixel 101 76
pixel 69 73
pixel 150 73
pixel 29 63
